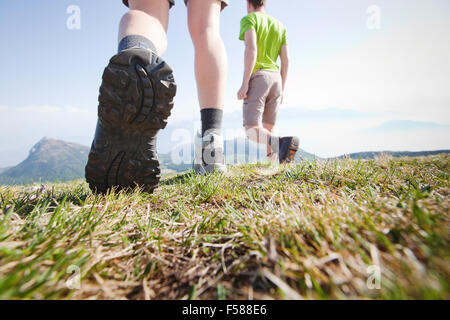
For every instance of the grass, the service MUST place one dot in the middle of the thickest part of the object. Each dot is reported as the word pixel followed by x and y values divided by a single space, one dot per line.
pixel 312 230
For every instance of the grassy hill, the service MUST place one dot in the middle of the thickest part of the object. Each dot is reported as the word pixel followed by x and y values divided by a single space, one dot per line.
pixel 314 230
pixel 49 160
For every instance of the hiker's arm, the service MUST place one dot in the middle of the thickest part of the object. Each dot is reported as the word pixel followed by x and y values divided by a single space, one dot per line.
pixel 251 53
pixel 284 56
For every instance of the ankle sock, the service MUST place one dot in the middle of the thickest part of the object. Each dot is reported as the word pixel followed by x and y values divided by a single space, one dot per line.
pixel 136 41
pixel 211 120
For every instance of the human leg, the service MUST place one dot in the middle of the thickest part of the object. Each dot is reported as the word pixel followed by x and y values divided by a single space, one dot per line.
pixel 211 63
pixel 149 19
pixel 269 127
pixel 286 147
pixel 254 106
pixel 136 97
pixel 211 76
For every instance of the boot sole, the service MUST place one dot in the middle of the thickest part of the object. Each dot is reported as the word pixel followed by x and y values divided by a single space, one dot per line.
pixel 135 101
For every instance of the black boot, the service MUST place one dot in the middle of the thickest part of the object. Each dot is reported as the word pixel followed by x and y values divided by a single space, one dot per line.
pixel 136 98
pixel 288 147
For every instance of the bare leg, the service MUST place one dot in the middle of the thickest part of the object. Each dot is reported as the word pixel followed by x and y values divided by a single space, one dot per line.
pixel 211 63
pixel 260 135
pixel 269 128
pixel 148 18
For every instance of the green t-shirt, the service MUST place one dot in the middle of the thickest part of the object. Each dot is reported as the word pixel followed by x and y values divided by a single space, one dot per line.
pixel 271 36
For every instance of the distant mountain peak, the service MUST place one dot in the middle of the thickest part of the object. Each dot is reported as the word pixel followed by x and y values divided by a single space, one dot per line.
pixel 45 145
pixel 49 160
pixel 48 139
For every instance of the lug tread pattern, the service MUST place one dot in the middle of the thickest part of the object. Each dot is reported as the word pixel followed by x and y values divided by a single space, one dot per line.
pixel 135 101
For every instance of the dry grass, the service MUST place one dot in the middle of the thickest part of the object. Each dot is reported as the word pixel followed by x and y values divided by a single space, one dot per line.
pixel 308 231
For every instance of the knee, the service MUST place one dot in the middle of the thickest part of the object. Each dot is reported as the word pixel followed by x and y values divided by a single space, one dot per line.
pixel 202 37
pixel 203 34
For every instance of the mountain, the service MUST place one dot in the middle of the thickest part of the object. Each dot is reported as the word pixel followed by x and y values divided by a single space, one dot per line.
pixel 303 155
pixel 395 154
pixel 49 160
pixel 54 160
pixel 167 166
pixel 4 169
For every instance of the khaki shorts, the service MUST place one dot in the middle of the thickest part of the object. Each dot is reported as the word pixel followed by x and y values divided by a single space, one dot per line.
pixel 263 98
pixel 172 3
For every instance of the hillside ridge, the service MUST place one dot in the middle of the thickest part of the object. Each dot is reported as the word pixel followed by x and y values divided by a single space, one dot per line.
pixel 52 160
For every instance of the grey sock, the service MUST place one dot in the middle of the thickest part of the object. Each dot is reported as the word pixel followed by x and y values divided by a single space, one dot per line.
pixel 136 41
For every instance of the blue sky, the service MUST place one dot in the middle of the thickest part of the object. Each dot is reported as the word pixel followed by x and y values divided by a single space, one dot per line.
pixel 349 86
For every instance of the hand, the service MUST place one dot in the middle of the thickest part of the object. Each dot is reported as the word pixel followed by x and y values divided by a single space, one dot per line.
pixel 242 93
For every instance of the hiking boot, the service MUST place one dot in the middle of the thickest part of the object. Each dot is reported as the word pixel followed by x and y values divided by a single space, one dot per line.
pixel 209 153
pixel 136 98
pixel 288 147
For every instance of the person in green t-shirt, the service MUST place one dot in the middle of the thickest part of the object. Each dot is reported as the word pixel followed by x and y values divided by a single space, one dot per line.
pixel 263 84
